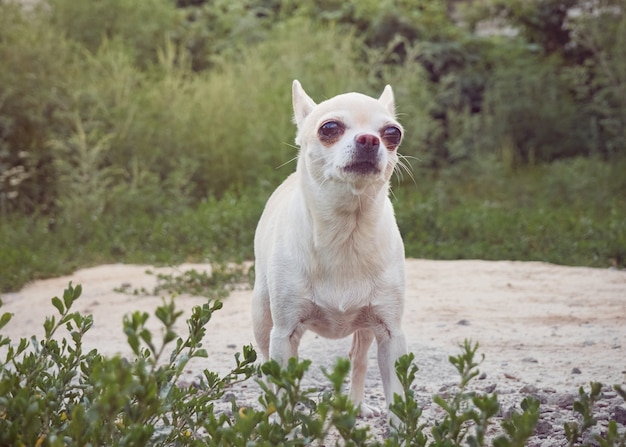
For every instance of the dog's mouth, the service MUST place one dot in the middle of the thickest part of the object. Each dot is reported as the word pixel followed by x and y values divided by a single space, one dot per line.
pixel 362 167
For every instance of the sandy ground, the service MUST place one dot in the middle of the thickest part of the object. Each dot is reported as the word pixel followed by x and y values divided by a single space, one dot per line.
pixel 544 329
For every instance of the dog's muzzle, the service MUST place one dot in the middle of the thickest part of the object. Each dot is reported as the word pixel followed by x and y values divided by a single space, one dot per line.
pixel 366 155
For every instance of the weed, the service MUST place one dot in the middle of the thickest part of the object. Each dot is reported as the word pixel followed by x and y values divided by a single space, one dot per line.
pixel 580 433
pixel 54 393
pixel 216 284
pixel 467 414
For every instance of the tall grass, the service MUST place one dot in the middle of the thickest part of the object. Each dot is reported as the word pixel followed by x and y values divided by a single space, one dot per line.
pixel 568 212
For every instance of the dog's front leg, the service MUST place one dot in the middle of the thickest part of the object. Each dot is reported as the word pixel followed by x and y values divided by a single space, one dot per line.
pixel 391 346
pixel 284 342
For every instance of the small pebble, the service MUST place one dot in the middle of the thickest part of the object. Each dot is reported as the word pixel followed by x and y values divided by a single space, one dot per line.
pixel 576 371
pixel 228 397
pixel 491 388
pixel 529 389
pixel 562 400
pixel 619 415
pixel 543 428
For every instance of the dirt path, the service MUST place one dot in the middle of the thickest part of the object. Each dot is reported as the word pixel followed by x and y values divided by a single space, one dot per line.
pixel 544 329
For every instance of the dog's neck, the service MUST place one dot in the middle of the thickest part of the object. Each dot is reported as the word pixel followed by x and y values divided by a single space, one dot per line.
pixel 344 216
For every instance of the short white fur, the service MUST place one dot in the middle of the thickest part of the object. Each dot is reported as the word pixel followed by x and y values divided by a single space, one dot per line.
pixel 329 255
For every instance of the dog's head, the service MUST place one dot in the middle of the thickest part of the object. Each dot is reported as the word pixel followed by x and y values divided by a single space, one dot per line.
pixel 351 138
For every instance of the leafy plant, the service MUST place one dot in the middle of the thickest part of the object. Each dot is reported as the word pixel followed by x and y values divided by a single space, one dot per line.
pixel 580 433
pixel 468 414
pixel 216 284
pixel 55 392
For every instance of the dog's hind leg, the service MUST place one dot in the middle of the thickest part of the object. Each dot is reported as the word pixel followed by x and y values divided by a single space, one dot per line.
pixel 361 342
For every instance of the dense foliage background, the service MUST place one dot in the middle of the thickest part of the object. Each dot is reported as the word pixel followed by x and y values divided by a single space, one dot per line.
pixel 154 131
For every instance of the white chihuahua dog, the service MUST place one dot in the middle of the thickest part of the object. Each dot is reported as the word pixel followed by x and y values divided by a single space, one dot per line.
pixel 329 255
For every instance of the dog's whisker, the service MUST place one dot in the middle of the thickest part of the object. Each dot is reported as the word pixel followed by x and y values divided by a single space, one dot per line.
pixel 393 194
pixel 404 165
pixel 287 162
pixel 402 168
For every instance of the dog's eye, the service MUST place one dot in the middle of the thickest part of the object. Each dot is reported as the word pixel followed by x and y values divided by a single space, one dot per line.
pixel 391 136
pixel 331 130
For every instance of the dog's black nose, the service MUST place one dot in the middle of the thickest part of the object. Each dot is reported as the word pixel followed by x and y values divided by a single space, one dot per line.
pixel 367 142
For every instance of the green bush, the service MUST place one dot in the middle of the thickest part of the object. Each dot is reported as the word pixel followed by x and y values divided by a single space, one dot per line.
pixel 142 27
pixel 530 116
pixel 34 58
pixel 54 393
pixel 122 141
pixel 109 100
pixel 161 132
pixel 584 44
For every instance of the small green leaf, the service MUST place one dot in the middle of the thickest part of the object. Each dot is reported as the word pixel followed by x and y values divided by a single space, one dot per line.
pixel 169 336
pixel 48 326
pixel 620 391
pixel 78 290
pixel 202 353
pixel 68 295
pixel 56 302
pixel 4 341
pixel 6 317
pixel 146 336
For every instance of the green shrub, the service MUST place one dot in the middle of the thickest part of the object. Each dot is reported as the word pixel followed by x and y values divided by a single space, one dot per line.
pixel 105 102
pixel 142 27
pixel 601 31
pixel 530 116
pixel 579 433
pixel 584 44
pixel 54 393
pixel 32 93
pixel 215 285
pixel 116 128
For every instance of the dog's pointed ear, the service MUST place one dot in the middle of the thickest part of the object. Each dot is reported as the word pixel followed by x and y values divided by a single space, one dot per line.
pixel 387 99
pixel 302 103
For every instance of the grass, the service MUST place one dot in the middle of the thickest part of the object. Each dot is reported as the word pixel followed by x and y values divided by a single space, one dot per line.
pixel 569 212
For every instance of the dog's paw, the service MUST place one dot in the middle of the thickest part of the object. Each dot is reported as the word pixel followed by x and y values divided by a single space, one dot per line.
pixel 368 411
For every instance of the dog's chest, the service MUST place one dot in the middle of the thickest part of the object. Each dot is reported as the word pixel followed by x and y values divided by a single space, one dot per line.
pixel 342 303
pixel 336 323
pixel 342 294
